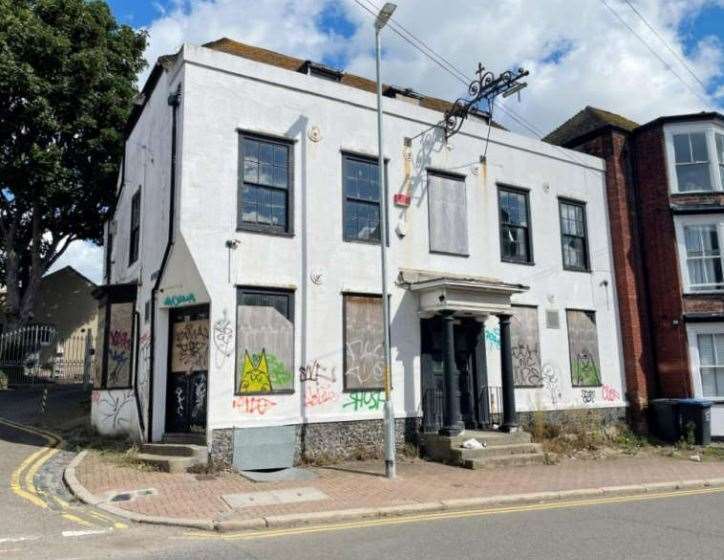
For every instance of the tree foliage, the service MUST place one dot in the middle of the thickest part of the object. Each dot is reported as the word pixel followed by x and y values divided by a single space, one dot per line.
pixel 67 83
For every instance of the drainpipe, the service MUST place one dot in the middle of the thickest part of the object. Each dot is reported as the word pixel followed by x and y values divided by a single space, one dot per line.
pixel 174 101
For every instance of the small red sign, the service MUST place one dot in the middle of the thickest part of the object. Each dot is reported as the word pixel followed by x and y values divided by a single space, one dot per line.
pixel 402 199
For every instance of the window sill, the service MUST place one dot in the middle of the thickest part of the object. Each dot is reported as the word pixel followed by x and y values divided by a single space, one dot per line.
pixel 364 390
pixel 363 242
pixel 265 394
pixel 696 192
pixel 445 253
pixel 513 261
pixel 264 231
pixel 690 292
pixel 583 270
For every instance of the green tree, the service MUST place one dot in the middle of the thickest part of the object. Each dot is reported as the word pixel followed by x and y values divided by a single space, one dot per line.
pixel 67 84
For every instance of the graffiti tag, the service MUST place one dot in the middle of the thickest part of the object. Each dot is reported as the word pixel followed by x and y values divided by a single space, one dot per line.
pixel 317 396
pixel 492 338
pixel 316 372
pixel 183 299
pixel 223 339
pixel 364 400
pixel 609 393
pixel 254 405
pixel 588 396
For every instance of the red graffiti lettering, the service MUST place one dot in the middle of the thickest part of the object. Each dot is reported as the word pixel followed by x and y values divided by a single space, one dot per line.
pixel 254 405
pixel 317 396
pixel 609 393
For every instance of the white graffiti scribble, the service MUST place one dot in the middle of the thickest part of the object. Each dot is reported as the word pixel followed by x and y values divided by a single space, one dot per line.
pixel 550 381
pixel 223 340
pixel 367 361
pixel 180 401
pixel 200 396
pixel 112 410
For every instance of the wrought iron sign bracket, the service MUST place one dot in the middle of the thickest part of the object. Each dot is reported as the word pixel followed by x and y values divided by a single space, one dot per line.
pixel 485 87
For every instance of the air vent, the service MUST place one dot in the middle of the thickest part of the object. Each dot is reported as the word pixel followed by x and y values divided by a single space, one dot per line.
pixel 552 319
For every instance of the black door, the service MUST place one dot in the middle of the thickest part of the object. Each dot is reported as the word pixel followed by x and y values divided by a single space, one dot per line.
pixel 188 370
pixel 470 362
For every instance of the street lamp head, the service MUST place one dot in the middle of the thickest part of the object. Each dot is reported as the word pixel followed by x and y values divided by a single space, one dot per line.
pixel 384 16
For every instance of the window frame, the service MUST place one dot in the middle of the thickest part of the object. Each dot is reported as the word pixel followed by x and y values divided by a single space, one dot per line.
pixel 263 290
pixel 345 388
pixel 288 143
pixel 369 159
pixel 134 234
pixel 693 330
pixel 598 348
pixel 453 177
pixel 680 223
pixel 587 254
pixel 530 261
pixel 117 295
pixel 710 129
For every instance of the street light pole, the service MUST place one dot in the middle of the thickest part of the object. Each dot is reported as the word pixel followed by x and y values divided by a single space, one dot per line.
pixel 389 422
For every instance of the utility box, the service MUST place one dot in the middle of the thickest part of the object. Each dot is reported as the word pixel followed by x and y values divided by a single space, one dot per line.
pixel 695 415
pixel 666 423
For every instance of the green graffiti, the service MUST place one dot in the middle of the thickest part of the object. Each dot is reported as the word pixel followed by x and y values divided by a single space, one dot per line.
pixel 585 371
pixel 183 299
pixel 369 401
pixel 279 375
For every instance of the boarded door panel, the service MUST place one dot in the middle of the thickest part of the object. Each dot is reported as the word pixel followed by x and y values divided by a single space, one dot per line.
pixel 525 347
pixel 190 350
pixel 448 215
pixel 583 344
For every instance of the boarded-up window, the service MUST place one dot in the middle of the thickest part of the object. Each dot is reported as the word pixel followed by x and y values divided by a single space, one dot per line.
pixel 364 355
pixel 120 346
pixel 264 342
pixel 448 214
pixel 583 345
pixel 525 347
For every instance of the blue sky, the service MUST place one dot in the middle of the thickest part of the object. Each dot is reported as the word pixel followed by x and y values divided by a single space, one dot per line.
pixel 576 57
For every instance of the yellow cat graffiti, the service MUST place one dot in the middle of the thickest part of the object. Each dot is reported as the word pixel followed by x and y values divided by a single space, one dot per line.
pixel 255 375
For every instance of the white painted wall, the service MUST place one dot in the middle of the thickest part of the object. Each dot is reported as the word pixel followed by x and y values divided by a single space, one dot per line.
pixel 148 164
pixel 223 93
pixel 265 99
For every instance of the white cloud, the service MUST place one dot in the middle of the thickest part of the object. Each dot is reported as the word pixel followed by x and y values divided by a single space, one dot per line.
pixel 85 257
pixel 578 52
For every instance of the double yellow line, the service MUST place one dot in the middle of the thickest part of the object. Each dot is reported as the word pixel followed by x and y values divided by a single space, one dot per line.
pixel 433 516
pixel 22 479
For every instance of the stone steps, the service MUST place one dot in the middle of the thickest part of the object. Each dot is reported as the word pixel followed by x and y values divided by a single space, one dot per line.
pixel 173 458
pixel 461 454
pixel 504 461
pixel 501 449
pixel 185 438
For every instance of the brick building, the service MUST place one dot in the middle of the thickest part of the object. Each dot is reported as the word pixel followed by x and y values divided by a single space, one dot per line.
pixel 665 191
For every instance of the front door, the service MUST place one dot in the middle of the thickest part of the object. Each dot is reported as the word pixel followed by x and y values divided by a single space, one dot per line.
pixel 470 362
pixel 188 370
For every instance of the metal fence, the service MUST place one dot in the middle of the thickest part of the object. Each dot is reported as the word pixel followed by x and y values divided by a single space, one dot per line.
pixel 37 354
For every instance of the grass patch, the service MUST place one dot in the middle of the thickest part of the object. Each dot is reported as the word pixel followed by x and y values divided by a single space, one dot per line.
pixel 581 434
pixel 713 453
pixel 119 451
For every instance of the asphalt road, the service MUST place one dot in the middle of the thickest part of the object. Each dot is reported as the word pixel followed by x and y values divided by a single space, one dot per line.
pixel 679 526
